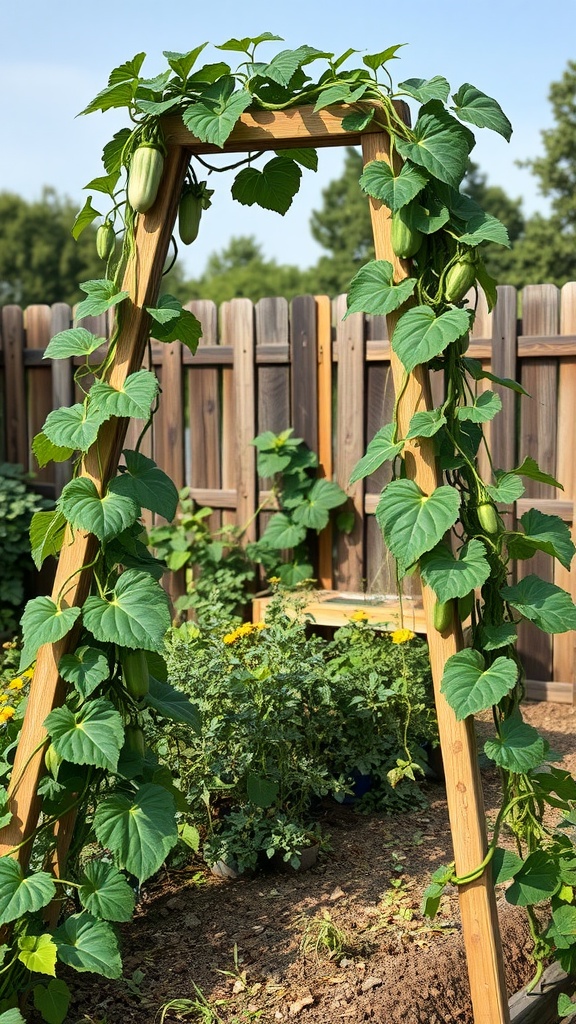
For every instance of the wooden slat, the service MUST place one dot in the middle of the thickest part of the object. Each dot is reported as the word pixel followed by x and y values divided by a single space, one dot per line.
pixel 547 690
pixel 258 130
pixel 228 457
pixel 153 232
pixel 546 345
pixel 350 441
pixel 17 441
pixel 504 321
pixel 273 381
pixel 540 1005
pixel 324 427
pixel 564 644
pixel 216 498
pixel 203 463
pixel 540 315
pixel 169 440
pixel 304 384
pixel 39 398
pixel 62 386
pixel 380 567
pixel 463 785
pixel 240 319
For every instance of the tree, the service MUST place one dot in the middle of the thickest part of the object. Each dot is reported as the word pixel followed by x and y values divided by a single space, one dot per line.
pixel 39 259
pixel 241 270
pixel 342 226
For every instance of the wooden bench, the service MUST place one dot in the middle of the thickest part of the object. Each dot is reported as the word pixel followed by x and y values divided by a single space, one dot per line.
pixel 336 608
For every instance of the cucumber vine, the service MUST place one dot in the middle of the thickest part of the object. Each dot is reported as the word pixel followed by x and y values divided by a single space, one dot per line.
pixel 94 755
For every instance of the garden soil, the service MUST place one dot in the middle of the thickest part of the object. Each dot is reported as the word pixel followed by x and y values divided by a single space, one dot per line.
pixel 238 944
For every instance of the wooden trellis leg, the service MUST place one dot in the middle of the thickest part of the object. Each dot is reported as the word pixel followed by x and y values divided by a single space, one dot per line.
pixel 463 787
pixel 142 281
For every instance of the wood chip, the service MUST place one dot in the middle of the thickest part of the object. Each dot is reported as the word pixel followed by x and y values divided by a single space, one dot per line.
pixel 300 1004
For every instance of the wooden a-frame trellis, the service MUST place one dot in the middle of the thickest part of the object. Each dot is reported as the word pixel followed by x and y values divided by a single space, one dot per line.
pixel 261 131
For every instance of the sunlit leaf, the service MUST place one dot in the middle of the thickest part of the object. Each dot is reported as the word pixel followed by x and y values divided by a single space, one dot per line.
pixel 381 449
pixel 413 522
pixel 212 118
pixel 92 735
pixel 20 895
pixel 546 605
pixel 105 516
pixel 485 407
pixel 139 832
pixel 474 106
pixel 542 533
pixel 272 188
pixel 425 89
pixel 44 623
pixel 442 145
pixel 536 880
pixel 46 535
pixel 172 703
pixel 134 399
pixel 136 614
pixel 38 953
pixel 372 290
pixel 101 296
pixel 469 686
pixel 146 484
pixel 451 577
pixel 85 669
pixel 518 747
pixel 74 342
pixel 420 335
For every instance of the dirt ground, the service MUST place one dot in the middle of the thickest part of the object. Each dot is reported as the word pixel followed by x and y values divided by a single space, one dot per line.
pixel 237 945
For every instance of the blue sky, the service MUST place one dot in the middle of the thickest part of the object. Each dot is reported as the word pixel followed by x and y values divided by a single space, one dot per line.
pixel 57 56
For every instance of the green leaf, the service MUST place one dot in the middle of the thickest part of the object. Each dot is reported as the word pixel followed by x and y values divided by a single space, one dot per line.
pixel 531 471
pixel 475 107
pixel 243 45
pixel 85 669
pixel 546 605
pixel 46 535
pixel 133 400
pixel 182 63
pixel 536 881
pixel 75 342
pixel 130 552
pixel 284 64
pixel 519 747
pixel 306 157
pixel 376 60
pixel 495 637
pixel 281 532
pixel 19 895
pixel 169 309
pixel 12 1017
pixel 89 945
pixel 114 150
pixel 475 369
pixel 105 183
pixel 381 449
pixel 358 120
pixel 119 94
pixel 105 516
pixel 428 214
pixel 507 489
pixel 75 428
pixel 136 615
pixel 488 285
pixel 173 323
pixel 423 89
pixel 343 92
pixel 146 484
pixel 470 687
pixel 505 864
pixel 105 893
pixel 52 1001
pixel 485 228
pixel 565 1005
pixel 314 511
pixel 38 953
pixel 452 577
pixel 442 145
pixel 542 533
pixel 372 290
pixel 273 187
pixel 190 835
pixel 426 424
pixel 140 832
pixel 92 735
pixel 45 451
pixel 157 107
pixel 420 335
pixel 173 704
pixel 486 406
pixel 101 296
pixel 212 119
pixel 44 623
pixel 84 218
pixel 261 792
pixel 413 522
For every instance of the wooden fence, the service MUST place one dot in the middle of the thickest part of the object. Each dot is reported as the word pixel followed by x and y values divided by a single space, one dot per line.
pixel 270 366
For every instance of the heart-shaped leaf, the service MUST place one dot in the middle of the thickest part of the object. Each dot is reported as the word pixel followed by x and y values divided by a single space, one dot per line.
pixel 76 341
pixel 89 945
pixel 442 145
pixel 75 428
pixel 92 735
pixel 452 577
pixel 474 106
pixel 314 511
pixel 105 893
pixel 146 484
pixel 213 117
pixel 426 424
pixel 394 190
pixel 536 881
pixel 44 623
pixel 46 451
pixel 542 533
pixel 139 832
pixel 372 290
pixel 420 335
pixel 38 953
pixel 273 187
pixel 546 605
pixel 413 522
pixel 101 295
pixel 425 89
pixel 20 895
pixel 381 449
pixel 470 687
pixel 136 615
pixel 486 406
pixel 105 516
pixel 52 1000
pixel 46 535
pixel 134 399
pixel 85 669
pixel 281 532
pixel 518 747
pixel 505 864
pixel 172 703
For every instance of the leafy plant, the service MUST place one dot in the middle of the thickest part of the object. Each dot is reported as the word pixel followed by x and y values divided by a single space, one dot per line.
pixel 18 503
pixel 322 937
pixel 289 718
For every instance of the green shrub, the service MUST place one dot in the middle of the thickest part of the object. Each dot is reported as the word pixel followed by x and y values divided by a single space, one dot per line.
pixel 17 506
pixel 290 718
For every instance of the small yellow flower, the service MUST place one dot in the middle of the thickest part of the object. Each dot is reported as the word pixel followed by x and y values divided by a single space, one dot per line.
pixel 3 697
pixel 274 580
pixel 229 638
pixel 260 625
pixel 28 673
pixel 358 616
pixel 16 684
pixel 6 713
pixel 401 636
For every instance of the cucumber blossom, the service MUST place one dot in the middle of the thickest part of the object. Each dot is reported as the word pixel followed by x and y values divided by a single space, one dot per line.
pixel 405 239
pixel 144 174
pixel 135 674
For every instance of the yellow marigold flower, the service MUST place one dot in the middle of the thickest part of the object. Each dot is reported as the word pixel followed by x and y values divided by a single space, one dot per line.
pixel 16 684
pixel 274 580
pixel 230 637
pixel 260 625
pixel 28 673
pixel 245 629
pixel 6 713
pixel 401 636
pixel 358 616
pixel 3 697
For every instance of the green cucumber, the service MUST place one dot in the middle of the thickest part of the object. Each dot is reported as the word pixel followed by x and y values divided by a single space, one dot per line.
pixel 442 615
pixel 405 239
pixel 459 280
pixel 144 174
pixel 488 518
pixel 105 240
pixel 135 674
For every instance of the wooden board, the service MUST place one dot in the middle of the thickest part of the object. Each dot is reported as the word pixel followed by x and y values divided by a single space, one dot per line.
pixel 350 441
pixel 335 608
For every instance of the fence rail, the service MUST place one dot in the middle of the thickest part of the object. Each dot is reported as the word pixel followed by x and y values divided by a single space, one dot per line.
pixel 270 365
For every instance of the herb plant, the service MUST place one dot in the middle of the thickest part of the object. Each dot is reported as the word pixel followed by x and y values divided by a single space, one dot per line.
pixel 18 503
pixel 442 230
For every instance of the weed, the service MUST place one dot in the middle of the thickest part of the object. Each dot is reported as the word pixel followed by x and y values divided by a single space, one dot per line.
pixel 324 938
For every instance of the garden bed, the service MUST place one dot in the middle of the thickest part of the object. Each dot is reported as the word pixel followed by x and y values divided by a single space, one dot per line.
pixel 399 967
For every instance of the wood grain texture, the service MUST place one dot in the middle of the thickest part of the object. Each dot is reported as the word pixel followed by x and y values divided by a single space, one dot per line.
pixel 540 315
pixel 504 364
pixel 39 391
pixel 16 433
pixel 73 576
pixel 240 318
pixel 349 571
pixel 463 787
pixel 380 566
pixel 325 427
pixel 564 644
pixel 540 1005
pixel 62 387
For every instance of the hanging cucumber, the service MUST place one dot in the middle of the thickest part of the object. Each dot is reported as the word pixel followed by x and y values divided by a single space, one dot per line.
pixel 135 674
pixel 442 615
pixel 459 279
pixel 405 239
pixel 144 176
pixel 105 240
pixel 194 199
